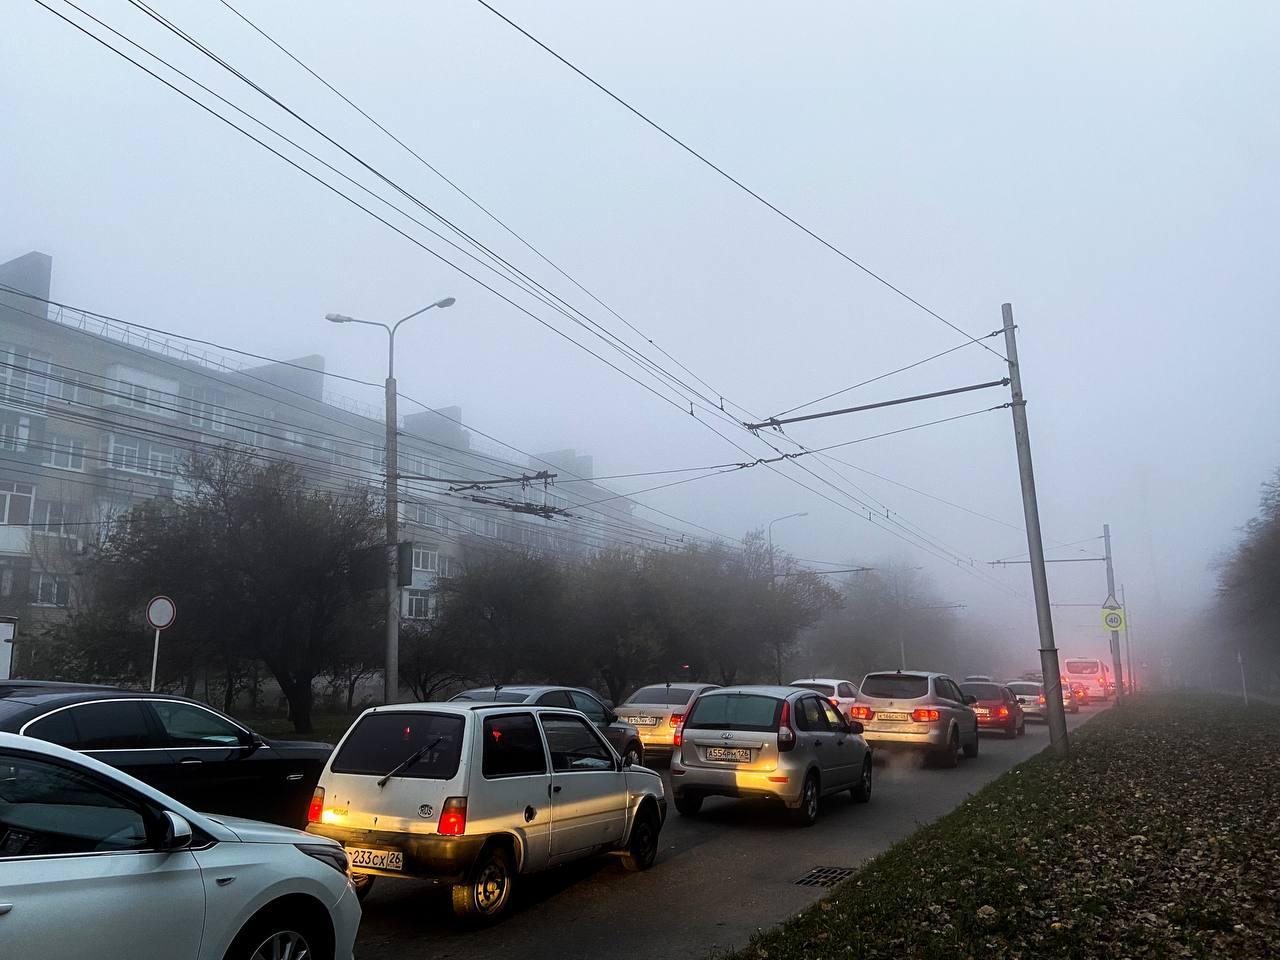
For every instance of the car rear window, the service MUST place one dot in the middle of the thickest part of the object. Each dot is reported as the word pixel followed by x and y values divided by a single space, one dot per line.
pixel 983 691
pixel 1025 689
pixel 493 696
pixel 661 695
pixel 735 711
pixel 381 741
pixel 826 689
pixel 894 686
pixel 1082 666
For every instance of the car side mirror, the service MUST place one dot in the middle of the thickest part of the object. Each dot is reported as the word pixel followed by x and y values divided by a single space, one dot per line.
pixel 626 761
pixel 175 832
pixel 612 717
pixel 970 700
pixel 855 726
pixel 252 742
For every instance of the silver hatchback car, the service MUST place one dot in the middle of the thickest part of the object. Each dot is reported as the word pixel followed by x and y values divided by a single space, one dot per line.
pixel 780 742
pixel 919 711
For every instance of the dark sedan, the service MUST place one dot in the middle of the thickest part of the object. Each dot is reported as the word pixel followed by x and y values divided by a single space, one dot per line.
pixel 183 747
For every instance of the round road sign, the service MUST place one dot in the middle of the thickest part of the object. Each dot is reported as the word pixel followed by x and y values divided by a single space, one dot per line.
pixel 161 612
pixel 1113 619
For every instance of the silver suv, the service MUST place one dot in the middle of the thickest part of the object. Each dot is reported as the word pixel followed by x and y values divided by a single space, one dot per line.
pixel 471 795
pixel 918 711
pixel 780 742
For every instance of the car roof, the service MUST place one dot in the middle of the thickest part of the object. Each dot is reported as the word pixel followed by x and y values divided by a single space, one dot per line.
pixel 820 680
pixel 760 689
pixel 44 694
pixel 906 673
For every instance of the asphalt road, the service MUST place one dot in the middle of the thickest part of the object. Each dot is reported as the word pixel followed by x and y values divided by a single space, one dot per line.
pixel 719 876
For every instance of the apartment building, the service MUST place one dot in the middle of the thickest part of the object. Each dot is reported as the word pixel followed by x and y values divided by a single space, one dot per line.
pixel 97 416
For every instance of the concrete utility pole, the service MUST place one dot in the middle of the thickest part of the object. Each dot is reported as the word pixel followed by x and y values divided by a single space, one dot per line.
pixel 1244 687
pixel 1035 544
pixel 391 671
pixel 1128 644
pixel 1118 664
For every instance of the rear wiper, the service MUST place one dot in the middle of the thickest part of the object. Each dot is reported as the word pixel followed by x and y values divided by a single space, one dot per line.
pixel 409 761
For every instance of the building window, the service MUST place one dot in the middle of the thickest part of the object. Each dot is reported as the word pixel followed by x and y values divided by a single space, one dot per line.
pixel 126 454
pixel 421 514
pixel 65 453
pixel 24 377
pixel 447 565
pixel 420 605
pixel 51 517
pixel 206 408
pixel 426 559
pixel 50 589
pixel 70 389
pixel 484 526
pixel 15 435
pixel 15 502
pixel 7 579
pixel 160 462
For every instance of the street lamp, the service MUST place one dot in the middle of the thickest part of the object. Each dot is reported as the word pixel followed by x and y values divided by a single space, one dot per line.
pixel 773 579
pixel 391 673
pixel 789 516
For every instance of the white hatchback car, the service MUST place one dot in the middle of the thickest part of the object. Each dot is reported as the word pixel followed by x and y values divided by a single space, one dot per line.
pixel 841 694
pixel 96 863
pixel 469 795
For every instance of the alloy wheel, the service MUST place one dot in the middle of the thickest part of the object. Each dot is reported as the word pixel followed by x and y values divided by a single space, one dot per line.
pixel 283 945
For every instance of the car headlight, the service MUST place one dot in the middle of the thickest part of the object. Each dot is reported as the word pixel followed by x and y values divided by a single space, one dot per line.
pixel 335 857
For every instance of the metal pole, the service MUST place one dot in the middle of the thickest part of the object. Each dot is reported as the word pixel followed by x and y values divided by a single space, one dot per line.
pixel 155 658
pixel 1035 545
pixel 1128 645
pixel 1244 687
pixel 391 675
pixel 1116 662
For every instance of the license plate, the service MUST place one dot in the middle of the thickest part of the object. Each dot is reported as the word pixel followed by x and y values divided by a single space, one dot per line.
pixel 982 711
pixel 889 715
pixel 377 859
pixel 642 721
pixel 736 754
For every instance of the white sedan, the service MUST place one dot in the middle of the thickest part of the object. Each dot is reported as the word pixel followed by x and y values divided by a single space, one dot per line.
pixel 96 863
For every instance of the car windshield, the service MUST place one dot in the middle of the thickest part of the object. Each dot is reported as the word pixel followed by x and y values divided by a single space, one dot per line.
pixel 493 696
pixel 894 686
pixel 381 741
pixel 983 691
pixel 826 689
pixel 661 695
pixel 1025 689
pixel 1082 666
pixel 735 711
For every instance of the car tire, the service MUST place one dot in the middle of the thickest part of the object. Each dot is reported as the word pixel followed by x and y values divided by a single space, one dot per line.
pixel 634 752
pixel 1012 732
pixel 362 883
pixel 806 814
pixel 861 791
pixel 280 933
pixel 642 850
pixel 950 757
pixel 688 804
pixel 971 751
pixel 487 893
pixel 1022 728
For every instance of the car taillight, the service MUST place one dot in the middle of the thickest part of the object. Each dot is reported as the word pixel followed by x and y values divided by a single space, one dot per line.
pixel 677 738
pixel 453 818
pixel 676 719
pixel 925 715
pixel 1002 711
pixel 861 713
pixel 834 701
pixel 1042 700
pixel 316 810
pixel 786 735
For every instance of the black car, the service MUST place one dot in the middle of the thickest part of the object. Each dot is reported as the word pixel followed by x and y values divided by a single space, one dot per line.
pixel 183 747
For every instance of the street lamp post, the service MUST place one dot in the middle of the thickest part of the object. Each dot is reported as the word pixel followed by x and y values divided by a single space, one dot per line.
pixel 391 672
pixel 773 579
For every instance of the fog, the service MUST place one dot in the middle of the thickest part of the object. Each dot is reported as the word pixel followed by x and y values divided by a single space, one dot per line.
pixel 1108 169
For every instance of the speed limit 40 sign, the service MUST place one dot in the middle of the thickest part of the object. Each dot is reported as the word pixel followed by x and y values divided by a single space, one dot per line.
pixel 1113 619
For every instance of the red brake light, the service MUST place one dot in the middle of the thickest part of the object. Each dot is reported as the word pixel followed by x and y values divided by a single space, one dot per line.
pixel 1002 711
pixel 453 818
pixel 786 735
pixel 834 701
pixel 317 805
pixel 1042 698
pixel 861 713
pixel 925 715
pixel 676 719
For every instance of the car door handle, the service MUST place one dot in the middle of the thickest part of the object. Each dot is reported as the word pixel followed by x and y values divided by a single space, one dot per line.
pixel 189 761
pixel 555 789
pixel 817 743
pixel 5 908
pixel 294 777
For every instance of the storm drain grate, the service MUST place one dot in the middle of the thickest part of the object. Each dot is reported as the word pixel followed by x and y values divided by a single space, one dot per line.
pixel 824 876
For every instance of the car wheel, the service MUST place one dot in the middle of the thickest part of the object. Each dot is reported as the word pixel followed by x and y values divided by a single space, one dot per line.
pixel 643 848
pixel 806 814
pixel 634 754
pixel 950 757
pixel 1012 732
pixel 862 789
pixel 362 883
pixel 485 896
pixel 279 934
pixel 688 804
pixel 1022 728
pixel 971 751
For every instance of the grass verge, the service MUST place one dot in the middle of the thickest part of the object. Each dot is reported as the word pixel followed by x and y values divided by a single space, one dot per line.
pixel 1160 837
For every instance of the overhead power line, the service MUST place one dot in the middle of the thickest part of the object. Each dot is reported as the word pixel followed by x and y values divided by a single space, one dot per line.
pixel 732 179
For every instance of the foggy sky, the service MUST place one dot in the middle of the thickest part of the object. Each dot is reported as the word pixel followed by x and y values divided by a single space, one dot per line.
pixel 1109 169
